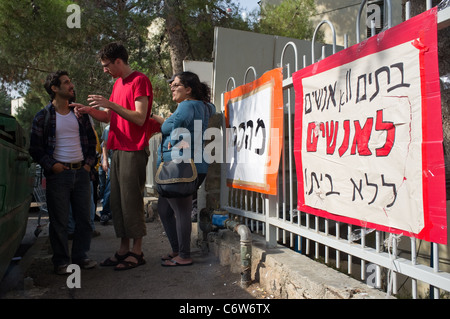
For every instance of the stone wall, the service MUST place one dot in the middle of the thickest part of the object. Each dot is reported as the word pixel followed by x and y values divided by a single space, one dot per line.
pixel 287 274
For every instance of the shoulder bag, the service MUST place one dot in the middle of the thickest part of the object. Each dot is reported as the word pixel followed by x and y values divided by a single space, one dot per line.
pixel 176 178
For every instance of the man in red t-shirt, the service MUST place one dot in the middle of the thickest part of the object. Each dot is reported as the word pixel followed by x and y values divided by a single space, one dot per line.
pixel 128 110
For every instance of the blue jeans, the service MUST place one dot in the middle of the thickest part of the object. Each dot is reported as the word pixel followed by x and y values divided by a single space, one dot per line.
pixel 106 194
pixel 71 224
pixel 101 181
pixel 65 191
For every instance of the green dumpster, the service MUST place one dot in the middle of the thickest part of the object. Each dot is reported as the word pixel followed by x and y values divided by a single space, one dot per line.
pixel 16 188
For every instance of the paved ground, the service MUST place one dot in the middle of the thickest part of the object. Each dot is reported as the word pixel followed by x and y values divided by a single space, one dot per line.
pixel 33 277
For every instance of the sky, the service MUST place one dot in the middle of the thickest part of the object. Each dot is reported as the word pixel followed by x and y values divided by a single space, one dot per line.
pixel 250 5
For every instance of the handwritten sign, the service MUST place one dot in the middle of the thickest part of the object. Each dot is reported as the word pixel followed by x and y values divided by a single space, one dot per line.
pixel 254 131
pixel 368 139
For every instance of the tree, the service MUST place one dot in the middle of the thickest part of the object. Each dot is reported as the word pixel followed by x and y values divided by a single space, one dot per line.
pixel 5 102
pixel 290 19
pixel 176 34
pixel 34 101
pixel 35 39
pixel 189 27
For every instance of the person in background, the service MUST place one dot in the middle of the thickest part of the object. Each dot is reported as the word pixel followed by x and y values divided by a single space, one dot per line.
pixel 128 111
pixel 101 174
pixel 105 214
pixel 94 184
pixel 64 146
pixel 193 98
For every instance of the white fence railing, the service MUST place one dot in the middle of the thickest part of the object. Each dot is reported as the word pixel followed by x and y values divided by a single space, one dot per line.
pixel 380 259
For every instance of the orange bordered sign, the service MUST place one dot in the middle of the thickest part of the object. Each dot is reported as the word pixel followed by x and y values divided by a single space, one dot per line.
pixel 254 132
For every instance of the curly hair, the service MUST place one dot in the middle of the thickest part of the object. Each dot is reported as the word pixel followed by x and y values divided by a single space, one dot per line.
pixel 53 79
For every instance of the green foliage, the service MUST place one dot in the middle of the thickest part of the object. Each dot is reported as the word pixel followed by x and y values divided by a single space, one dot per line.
pixel 25 33
pixel 289 19
pixel 25 114
pixel 5 102
pixel 201 19
pixel 36 40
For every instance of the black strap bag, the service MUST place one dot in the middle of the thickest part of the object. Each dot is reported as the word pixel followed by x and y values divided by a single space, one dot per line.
pixel 176 178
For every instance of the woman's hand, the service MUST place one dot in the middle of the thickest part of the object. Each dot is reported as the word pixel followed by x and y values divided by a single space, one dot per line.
pixel 183 144
pixel 180 144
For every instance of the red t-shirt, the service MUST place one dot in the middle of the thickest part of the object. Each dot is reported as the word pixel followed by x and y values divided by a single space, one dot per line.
pixel 125 135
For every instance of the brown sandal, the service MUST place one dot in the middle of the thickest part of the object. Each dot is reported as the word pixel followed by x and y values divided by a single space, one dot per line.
pixel 111 263
pixel 131 264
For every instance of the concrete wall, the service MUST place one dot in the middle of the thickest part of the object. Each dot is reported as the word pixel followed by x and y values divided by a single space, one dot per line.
pixel 286 274
pixel 235 51
pixel 343 14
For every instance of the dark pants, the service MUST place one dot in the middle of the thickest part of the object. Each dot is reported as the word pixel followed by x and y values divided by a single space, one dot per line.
pixel 175 214
pixel 71 188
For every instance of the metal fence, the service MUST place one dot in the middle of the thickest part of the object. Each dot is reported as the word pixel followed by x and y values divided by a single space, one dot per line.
pixel 382 260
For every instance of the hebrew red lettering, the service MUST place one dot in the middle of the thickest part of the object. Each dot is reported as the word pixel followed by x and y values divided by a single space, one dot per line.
pixel 332 130
pixel 312 138
pixel 362 137
pixel 389 127
pixel 345 142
